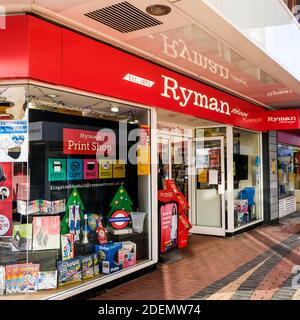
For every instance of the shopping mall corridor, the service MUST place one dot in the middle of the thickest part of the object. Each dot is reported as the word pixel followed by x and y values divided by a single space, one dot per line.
pixel 255 265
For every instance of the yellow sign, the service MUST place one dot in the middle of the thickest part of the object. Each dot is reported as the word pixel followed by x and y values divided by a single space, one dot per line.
pixel 105 169
pixel 119 169
pixel 273 166
pixel 143 166
pixel 203 176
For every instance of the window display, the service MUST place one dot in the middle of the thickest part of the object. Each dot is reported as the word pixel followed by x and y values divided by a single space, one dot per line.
pixel 81 207
pixel 247 177
pixel 286 175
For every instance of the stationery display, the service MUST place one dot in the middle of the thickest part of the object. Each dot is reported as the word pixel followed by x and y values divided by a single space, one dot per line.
pixel 87 264
pixel 46 233
pixel 67 246
pixel 22 278
pixel 22 237
pixel 69 271
pixel 47 280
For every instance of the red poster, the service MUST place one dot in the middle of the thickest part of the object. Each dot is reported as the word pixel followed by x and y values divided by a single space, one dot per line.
pixel 6 196
pixel 101 143
pixel 169 226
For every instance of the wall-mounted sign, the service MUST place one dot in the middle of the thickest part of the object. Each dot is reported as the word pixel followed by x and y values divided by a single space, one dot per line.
pixel 74 169
pixel 105 169
pixel 57 170
pixel 119 170
pixel 101 143
pixel 282 120
pixel 14 141
pixel 90 170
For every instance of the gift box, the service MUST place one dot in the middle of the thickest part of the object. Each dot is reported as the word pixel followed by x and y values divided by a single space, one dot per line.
pixel 127 255
pixel 108 255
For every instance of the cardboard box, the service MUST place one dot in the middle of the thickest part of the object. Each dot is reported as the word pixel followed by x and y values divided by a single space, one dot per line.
pixel 47 280
pixel 108 255
pixel 87 264
pixel 69 271
pixel 127 255
pixel 96 264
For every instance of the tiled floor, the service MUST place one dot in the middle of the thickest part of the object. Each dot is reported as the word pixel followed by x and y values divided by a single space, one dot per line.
pixel 255 265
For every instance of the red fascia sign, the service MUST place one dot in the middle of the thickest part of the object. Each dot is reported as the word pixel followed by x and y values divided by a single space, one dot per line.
pixel 76 61
pixel 101 143
pixel 282 120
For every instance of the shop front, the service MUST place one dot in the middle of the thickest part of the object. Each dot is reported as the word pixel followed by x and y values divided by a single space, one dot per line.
pixel 288 155
pixel 87 131
pixel 221 172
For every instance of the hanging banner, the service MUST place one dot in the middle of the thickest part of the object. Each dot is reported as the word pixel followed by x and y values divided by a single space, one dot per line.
pixel 6 196
pixel 14 141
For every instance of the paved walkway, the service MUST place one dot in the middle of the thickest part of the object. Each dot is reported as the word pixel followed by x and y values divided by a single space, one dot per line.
pixel 256 265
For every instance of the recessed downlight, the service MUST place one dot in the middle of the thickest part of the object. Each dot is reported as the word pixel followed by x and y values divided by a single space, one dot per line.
pixel 114 109
pixel 158 10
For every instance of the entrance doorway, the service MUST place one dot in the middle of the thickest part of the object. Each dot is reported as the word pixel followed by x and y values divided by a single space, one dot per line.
pixel 208 216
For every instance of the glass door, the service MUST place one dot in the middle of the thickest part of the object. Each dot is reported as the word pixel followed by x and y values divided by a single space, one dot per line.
pixel 208 216
pixel 173 161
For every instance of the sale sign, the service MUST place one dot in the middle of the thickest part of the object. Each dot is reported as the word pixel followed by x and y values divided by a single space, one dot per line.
pixel 101 143
pixel 6 197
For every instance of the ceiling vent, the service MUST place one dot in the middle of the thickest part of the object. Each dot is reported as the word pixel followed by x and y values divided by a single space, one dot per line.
pixel 123 17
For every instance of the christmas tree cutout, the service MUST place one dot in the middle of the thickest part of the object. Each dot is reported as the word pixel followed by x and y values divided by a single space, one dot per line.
pixel 73 200
pixel 121 201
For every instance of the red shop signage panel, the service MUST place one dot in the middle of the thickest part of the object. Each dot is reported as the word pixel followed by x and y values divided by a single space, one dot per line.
pixel 102 143
pixel 76 61
pixel 282 120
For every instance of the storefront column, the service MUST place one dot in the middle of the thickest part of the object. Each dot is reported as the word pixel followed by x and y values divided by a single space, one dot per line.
pixel 271 202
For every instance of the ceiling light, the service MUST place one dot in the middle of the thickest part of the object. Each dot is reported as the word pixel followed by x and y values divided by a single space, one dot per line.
pixel 158 10
pixel 52 95
pixel 114 109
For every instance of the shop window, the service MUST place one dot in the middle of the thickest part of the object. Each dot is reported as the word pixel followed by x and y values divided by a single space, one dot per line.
pixel 247 177
pixel 81 208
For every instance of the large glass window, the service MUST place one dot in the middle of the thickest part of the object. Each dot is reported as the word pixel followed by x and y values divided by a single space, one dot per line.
pixel 247 177
pixel 82 208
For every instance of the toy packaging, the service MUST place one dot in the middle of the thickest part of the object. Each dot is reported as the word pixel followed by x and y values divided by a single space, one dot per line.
pixel 2 280
pixel 22 237
pixel 96 264
pixel 108 255
pixel 47 280
pixel 67 246
pixel 69 271
pixel 241 205
pixel 22 278
pixel 87 264
pixel 46 233
pixel 127 255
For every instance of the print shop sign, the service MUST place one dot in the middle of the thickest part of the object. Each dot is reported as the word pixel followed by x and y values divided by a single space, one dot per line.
pixel 102 143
